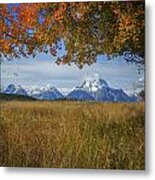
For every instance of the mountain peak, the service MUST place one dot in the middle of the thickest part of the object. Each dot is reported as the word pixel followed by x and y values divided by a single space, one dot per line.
pixel 93 84
pixel 47 92
pixel 92 89
pixel 10 89
pixel 101 91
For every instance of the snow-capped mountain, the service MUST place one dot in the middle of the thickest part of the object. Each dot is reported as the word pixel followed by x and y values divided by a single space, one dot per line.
pixel 21 91
pixel 94 89
pixel 12 89
pixel 93 85
pixel 99 90
pixel 47 92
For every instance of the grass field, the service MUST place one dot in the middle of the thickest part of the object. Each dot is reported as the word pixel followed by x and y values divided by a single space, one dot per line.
pixel 72 135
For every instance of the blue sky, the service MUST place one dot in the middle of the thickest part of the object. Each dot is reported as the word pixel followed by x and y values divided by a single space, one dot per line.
pixel 43 70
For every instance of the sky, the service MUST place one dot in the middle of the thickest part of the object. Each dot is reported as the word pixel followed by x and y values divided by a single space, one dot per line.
pixel 43 70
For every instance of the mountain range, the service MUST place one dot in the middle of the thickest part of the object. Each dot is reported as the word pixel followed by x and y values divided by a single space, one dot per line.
pixel 90 90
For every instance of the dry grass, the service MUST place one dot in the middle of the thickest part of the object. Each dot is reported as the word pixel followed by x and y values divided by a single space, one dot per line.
pixel 72 135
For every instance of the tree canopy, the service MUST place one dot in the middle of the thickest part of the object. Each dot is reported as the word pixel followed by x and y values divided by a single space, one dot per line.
pixel 87 29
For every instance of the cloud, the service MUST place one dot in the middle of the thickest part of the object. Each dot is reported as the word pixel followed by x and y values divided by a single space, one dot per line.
pixel 40 72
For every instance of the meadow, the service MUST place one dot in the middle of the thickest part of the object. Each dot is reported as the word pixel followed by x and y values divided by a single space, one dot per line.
pixel 65 134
